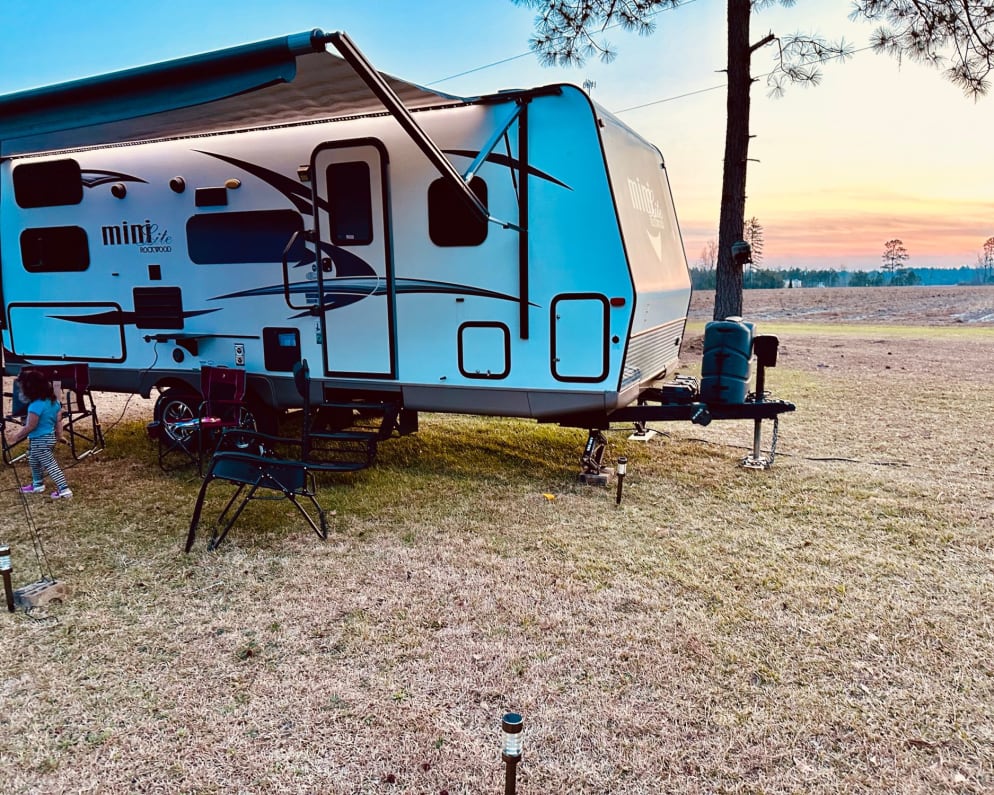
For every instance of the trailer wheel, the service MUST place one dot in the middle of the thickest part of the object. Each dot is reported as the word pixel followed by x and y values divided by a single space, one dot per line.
pixel 175 405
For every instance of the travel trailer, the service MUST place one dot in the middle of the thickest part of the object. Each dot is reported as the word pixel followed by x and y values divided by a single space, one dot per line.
pixel 515 254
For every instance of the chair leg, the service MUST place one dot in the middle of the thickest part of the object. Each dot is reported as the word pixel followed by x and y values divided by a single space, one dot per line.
pixel 218 537
pixel 322 530
pixel 191 536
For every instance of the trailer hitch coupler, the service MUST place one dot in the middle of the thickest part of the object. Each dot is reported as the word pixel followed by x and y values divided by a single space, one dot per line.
pixel 701 416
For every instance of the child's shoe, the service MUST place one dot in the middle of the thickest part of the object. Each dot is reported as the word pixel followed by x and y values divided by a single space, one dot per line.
pixel 62 494
pixel 32 488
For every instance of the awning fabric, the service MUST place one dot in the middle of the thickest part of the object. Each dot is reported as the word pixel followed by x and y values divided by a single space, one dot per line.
pixel 279 81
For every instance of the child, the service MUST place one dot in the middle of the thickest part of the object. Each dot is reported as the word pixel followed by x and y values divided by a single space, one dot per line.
pixel 42 428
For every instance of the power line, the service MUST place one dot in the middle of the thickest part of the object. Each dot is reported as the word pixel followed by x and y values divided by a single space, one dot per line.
pixel 651 102
pixel 723 85
pixel 523 54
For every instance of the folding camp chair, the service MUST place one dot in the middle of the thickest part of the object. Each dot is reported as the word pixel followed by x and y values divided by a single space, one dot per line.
pixel 79 411
pixel 16 416
pixel 71 383
pixel 191 437
pixel 254 462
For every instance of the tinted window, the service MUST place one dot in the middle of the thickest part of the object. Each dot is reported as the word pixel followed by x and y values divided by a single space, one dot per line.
pixel 48 184
pixel 450 221
pixel 259 236
pixel 55 249
pixel 350 204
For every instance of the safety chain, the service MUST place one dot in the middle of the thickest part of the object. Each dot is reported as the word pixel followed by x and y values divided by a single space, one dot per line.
pixel 773 443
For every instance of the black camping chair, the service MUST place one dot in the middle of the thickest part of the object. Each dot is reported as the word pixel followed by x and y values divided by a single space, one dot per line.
pixel 16 416
pixel 261 466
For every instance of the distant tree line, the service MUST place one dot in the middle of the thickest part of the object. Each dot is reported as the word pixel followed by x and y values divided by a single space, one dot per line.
pixel 703 277
pixel 895 270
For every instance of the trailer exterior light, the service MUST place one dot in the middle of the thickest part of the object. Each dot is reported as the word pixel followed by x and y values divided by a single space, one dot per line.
pixel 617 301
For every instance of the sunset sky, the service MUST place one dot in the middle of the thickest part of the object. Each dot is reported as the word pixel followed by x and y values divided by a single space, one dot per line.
pixel 879 150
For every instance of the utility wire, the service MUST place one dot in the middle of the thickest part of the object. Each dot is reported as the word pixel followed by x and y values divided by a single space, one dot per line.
pixel 724 85
pixel 651 102
pixel 524 54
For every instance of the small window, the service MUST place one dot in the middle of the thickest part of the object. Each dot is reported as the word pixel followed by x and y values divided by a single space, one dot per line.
pixel 350 204
pixel 450 221
pixel 235 238
pixel 55 249
pixel 49 184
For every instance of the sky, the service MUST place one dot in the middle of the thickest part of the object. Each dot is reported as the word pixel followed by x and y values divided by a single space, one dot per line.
pixel 879 150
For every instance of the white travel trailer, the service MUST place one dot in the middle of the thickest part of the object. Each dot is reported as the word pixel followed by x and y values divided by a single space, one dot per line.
pixel 516 254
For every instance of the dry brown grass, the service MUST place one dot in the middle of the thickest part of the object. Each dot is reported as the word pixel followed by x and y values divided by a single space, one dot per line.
pixel 823 627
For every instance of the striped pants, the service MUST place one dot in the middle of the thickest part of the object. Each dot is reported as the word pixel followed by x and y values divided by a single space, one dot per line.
pixel 41 457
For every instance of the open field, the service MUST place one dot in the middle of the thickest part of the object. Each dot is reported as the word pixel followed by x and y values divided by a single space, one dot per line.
pixel 826 626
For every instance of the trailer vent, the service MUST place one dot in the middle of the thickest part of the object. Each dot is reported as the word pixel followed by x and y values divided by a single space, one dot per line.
pixel 158 307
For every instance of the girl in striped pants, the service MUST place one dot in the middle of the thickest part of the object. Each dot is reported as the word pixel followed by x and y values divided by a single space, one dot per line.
pixel 42 428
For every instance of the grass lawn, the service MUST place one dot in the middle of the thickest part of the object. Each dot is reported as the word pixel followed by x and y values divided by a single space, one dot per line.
pixel 821 627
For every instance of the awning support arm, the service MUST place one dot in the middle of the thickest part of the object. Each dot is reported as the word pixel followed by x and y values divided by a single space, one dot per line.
pixel 381 89
pixel 491 144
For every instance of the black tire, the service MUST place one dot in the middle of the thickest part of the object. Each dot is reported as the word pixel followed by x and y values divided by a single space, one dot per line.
pixel 177 404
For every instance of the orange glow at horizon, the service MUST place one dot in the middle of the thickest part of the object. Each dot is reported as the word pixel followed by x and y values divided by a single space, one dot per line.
pixel 820 229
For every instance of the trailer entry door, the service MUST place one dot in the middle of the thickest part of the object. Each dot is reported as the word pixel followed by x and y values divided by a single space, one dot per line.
pixel 355 261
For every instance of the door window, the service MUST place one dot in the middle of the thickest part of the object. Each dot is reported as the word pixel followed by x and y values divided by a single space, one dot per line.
pixel 350 204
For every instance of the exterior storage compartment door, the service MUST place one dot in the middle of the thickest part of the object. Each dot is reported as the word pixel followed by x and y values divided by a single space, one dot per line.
pixel 580 323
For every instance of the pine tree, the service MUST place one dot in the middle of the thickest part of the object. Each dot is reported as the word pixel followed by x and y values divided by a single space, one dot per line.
pixel 936 32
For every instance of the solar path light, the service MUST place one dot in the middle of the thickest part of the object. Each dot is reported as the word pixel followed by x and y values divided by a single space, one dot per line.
pixel 5 570
pixel 511 727
pixel 622 469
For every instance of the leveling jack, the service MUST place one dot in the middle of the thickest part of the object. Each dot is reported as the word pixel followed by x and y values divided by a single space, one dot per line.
pixel 765 347
pixel 592 469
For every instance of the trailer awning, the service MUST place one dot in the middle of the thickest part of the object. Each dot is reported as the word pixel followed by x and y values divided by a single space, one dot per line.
pixel 280 81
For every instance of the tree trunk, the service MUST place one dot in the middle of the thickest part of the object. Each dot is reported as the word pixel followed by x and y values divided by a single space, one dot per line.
pixel 728 292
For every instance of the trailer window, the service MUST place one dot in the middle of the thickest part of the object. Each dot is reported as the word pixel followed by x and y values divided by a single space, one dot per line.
pixel 450 221
pixel 350 204
pixel 48 184
pixel 55 249
pixel 229 238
